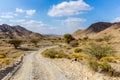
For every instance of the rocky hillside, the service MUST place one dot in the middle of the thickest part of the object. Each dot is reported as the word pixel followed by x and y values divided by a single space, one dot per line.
pixel 93 29
pixel 113 30
pixel 11 32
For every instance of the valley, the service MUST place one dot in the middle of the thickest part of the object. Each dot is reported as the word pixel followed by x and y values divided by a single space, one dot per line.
pixel 68 57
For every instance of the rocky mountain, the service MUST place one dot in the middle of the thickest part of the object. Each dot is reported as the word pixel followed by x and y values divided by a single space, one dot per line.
pixel 92 29
pixel 113 30
pixel 97 27
pixel 11 32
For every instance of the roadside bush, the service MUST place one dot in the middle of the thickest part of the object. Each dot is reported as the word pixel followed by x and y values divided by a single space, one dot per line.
pixel 78 56
pixel 16 55
pixel 77 50
pixel 99 51
pixel 103 68
pixel 61 55
pixel 114 59
pixel 5 61
pixel 50 53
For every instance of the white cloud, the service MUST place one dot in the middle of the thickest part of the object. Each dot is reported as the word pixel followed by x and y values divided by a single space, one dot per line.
pixel 28 12
pixel 68 8
pixel 73 22
pixel 7 15
pixel 19 10
pixel 117 19
pixel 17 21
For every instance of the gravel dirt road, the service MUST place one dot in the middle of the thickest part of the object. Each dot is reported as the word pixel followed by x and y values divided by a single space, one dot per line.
pixel 36 67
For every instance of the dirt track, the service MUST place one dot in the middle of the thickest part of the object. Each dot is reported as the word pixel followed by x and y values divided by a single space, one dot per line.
pixel 35 67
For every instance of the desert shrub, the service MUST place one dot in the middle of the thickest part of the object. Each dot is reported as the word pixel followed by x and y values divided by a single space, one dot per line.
pixel 77 50
pixel 113 59
pixel 5 61
pixel 68 38
pixel 51 53
pixel 15 42
pixel 74 43
pixel 16 55
pixel 34 41
pixel 78 56
pixel 105 38
pixel 108 37
pixel 61 55
pixel 100 39
pixel 99 51
pixel 2 56
pixel 103 68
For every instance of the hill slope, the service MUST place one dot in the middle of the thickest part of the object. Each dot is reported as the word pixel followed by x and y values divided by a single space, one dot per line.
pixel 17 32
pixel 113 30
pixel 92 29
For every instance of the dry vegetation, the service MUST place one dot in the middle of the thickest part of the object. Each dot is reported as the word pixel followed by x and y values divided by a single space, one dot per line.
pixel 98 53
pixel 8 57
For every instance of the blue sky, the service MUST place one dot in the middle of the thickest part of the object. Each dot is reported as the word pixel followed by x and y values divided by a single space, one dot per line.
pixel 58 16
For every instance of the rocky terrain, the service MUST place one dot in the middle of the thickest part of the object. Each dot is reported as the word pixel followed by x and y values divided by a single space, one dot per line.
pixel 12 32
pixel 99 28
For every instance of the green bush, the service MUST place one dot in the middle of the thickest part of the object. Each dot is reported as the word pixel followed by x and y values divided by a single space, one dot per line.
pixel 15 42
pixel 68 38
pixel 35 41
pixel 51 53
pixel 77 50
pixel 103 68
pixel 100 51
pixel 61 55
pixel 78 57
pixel 113 59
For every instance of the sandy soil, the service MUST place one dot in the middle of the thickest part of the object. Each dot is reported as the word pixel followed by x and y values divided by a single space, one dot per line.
pixel 79 70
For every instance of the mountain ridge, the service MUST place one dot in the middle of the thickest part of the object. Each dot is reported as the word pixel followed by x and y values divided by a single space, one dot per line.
pixel 17 32
pixel 93 29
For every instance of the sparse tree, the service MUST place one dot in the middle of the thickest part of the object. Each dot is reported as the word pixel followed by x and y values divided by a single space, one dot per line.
pixel 35 41
pixel 15 42
pixel 68 38
pixel 99 51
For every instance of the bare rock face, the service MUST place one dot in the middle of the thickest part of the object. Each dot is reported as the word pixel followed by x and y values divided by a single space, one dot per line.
pixel 11 32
